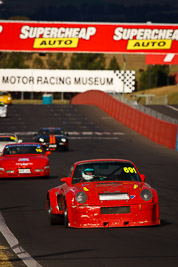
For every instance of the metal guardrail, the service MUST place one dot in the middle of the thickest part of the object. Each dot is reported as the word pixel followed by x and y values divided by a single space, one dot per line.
pixel 144 109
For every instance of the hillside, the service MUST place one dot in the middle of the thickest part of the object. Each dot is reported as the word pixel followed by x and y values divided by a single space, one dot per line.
pixel 170 91
pixel 133 61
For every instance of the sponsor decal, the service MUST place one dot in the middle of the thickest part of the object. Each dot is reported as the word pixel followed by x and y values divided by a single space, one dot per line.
pixel 132 196
pixel 54 37
pixel 129 170
pixel 54 43
pixel 13 138
pixel 144 34
pixel 55 32
pixel 149 44
pixel 23 164
pixel 146 39
pixel 23 159
pixel 85 189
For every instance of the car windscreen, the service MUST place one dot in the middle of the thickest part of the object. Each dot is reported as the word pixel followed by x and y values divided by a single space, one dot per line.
pixel 51 131
pixel 23 149
pixel 105 171
pixel 8 139
pixel 3 93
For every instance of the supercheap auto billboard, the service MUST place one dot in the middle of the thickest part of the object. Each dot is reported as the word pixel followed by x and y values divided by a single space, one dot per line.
pixel 88 37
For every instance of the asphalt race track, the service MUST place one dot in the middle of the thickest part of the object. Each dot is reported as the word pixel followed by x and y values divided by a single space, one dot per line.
pixel 168 110
pixel 93 134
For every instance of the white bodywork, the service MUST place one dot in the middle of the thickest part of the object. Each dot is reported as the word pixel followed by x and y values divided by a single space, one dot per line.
pixel 8 139
pixel 3 110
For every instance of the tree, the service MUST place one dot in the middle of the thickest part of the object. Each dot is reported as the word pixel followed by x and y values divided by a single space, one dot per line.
pixel 154 76
pixel 38 63
pixel 14 60
pixel 87 62
pixel 56 61
pixel 3 60
pixel 113 65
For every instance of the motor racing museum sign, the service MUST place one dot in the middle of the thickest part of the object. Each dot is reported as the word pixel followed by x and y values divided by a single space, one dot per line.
pixel 88 37
pixel 37 80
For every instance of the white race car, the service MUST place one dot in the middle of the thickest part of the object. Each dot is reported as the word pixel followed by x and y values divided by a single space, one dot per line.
pixel 3 110
pixel 6 138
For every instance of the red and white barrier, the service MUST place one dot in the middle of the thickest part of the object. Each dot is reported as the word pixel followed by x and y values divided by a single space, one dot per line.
pixel 159 131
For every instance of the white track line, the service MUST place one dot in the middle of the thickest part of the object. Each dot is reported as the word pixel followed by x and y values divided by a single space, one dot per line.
pixel 14 244
pixel 83 133
pixel 176 109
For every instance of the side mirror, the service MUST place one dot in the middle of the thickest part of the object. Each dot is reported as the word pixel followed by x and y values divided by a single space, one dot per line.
pixel 67 180
pixel 142 177
pixel 48 153
pixel 20 141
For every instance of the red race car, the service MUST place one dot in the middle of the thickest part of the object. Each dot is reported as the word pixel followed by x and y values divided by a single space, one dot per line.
pixel 24 160
pixel 103 193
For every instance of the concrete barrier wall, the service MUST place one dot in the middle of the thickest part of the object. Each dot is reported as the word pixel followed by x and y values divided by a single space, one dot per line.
pixel 161 132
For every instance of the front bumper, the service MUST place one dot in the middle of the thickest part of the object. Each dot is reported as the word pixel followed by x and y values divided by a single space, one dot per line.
pixel 55 147
pixel 92 217
pixel 3 113
pixel 16 174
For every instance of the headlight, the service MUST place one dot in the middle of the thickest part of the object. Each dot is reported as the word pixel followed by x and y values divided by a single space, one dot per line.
pixel 41 139
pixel 63 140
pixel 146 194
pixel 38 170
pixel 2 169
pixel 10 171
pixel 81 197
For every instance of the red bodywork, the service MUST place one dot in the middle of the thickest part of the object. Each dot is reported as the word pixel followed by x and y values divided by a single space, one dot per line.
pixel 102 207
pixel 24 165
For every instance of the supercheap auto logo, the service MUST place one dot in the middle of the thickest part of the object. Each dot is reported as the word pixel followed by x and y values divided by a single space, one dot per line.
pixel 146 39
pixel 54 37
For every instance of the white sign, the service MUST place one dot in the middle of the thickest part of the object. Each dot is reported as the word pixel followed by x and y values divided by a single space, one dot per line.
pixel 35 80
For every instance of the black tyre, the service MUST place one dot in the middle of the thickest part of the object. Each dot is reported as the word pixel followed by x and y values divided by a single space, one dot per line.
pixel 54 219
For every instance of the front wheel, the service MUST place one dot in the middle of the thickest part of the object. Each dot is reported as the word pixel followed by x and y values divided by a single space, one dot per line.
pixel 54 219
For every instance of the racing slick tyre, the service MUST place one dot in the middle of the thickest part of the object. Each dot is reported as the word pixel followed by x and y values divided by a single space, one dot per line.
pixel 54 219
pixel 66 219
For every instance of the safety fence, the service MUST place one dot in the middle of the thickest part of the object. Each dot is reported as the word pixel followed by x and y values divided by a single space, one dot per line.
pixel 159 131
pixel 144 109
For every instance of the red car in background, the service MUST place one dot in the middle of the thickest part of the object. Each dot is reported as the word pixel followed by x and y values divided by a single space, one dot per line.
pixel 24 160
pixel 103 193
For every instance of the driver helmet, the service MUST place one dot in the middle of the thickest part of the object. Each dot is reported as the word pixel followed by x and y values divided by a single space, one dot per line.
pixel 88 174
pixel 13 151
